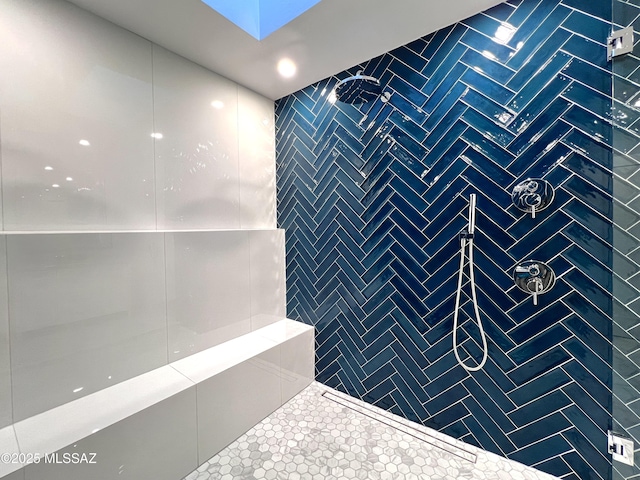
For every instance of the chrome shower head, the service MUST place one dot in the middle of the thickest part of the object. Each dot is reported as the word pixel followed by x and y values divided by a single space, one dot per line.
pixel 358 89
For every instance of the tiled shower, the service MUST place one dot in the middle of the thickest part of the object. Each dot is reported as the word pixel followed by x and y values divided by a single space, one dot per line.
pixel 373 197
pixel 139 240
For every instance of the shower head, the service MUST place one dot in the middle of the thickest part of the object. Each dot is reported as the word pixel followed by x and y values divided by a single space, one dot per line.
pixel 358 89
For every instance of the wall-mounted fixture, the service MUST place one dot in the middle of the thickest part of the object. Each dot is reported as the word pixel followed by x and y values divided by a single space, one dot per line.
pixel 534 277
pixel 359 89
pixel 620 42
pixel 532 195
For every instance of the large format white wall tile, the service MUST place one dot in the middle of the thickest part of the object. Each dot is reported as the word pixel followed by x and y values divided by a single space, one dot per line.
pixel 86 311
pixel 158 443
pixel 257 181
pixel 196 111
pixel 9 445
pixel 68 77
pixel 19 475
pixel 233 401
pixel 268 291
pixel 208 289
pixel 6 413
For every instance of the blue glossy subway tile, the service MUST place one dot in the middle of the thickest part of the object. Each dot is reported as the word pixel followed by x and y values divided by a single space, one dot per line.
pixel 484 24
pixel 494 411
pixel 592 51
pixel 445 216
pixel 590 171
pixel 407 90
pixel 445 181
pixel 533 325
pixel 500 12
pixel 535 126
pixel 597 151
pixel 596 29
pixel 440 130
pixel 472 174
pixel 530 234
pixel 439 91
pixel 487 87
pixel 592 196
pixel 539 81
pixel 599 79
pixel 407 73
pixel 539 408
pixel 589 314
pixel 483 43
pixel 410 55
pixel 492 153
pixel 601 10
pixel 435 40
pixel 625 118
pixel 484 64
pixel 548 49
pixel 536 14
pixel 539 430
pixel 547 382
pixel 446 72
pixel 505 445
pixel 600 226
pixel 545 97
pixel 585 285
pixel 597 457
pixel 480 437
pixel 445 99
pixel 409 144
pixel 544 20
pixel 448 53
pixel 484 115
pixel 600 393
pixel 597 367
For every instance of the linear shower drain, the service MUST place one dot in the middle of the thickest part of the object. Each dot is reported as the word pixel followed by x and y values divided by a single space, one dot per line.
pixel 418 432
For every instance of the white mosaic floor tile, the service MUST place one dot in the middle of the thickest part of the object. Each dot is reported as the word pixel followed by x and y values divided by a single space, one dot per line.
pixel 323 434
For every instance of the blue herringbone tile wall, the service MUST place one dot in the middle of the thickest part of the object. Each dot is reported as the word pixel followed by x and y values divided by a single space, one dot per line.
pixel 626 241
pixel 372 199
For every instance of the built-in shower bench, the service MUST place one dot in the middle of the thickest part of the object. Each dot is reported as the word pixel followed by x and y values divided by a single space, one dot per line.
pixel 164 423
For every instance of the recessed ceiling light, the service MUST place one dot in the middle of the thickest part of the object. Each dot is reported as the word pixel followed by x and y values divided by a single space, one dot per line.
pixel 55 185
pixel 69 179
pixel 48 168
pixel 217 104
pixel 157 136
pixel 84 143
pixel 287 68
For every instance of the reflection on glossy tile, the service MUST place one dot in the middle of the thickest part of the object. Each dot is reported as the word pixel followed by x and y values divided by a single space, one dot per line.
pixel 87 311
pixel 6 414
pixel 233 401
pixel 208 289
pixel 197 156
pixel 267 277
pixel 257 181
pixel 167 429
pixel 76 112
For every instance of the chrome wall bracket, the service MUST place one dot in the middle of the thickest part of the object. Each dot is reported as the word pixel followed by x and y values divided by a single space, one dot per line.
pixel 620 42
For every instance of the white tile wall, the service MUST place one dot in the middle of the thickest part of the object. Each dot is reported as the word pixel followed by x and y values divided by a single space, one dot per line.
pixel 268 291
pixel 87 311
pixel 166 433
pixel 233 401
pixel 208 289
pixel 69 76
pixel 196 111
pixel 6 413
pixel 256 131
pixel 9 445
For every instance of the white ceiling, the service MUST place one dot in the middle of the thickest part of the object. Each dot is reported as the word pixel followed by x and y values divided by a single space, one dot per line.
pixel 330 37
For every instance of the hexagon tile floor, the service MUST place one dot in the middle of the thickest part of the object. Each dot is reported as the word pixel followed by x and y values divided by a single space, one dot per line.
pixel 324 434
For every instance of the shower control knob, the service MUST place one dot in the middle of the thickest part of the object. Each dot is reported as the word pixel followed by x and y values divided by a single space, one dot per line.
pixel 532 195
pixel 534 277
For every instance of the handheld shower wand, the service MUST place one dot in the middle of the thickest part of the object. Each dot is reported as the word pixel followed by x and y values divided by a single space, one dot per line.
pixel 466 240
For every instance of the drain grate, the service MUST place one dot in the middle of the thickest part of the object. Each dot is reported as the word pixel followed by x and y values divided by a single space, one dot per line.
pixel 417 433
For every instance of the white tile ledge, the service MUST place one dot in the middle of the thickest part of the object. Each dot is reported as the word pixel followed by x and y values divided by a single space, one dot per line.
pixel 59 427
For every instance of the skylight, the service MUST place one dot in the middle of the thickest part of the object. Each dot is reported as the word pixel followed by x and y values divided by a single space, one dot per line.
pixel 260 18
